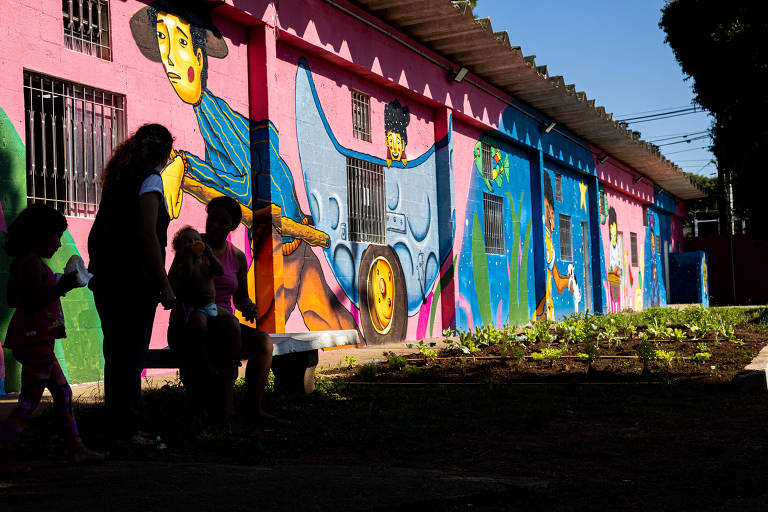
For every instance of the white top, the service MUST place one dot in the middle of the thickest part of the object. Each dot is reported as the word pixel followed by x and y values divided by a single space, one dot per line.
pixel 153 183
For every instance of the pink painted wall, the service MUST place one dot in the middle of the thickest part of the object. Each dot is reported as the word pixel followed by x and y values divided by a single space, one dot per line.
pixel 627 199
pixel 39 47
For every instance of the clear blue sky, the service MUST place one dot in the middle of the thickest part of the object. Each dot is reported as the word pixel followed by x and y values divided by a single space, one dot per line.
pixel 614 51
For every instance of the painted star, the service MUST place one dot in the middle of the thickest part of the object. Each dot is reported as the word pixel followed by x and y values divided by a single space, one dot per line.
pixel 583 191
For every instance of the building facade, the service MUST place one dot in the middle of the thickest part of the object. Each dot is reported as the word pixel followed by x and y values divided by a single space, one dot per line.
pixel 385 186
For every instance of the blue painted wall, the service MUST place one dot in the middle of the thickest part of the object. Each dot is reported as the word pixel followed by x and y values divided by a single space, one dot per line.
pixel 690 284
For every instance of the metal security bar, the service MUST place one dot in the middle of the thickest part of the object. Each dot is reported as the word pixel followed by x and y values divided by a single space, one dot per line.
pixel 633 247
pixel 361 116
pixel 86 27
pixel 559 187
pixel 71 130
pixel 487 161
pixel 365 190
pixel 494 223
pixel 566 244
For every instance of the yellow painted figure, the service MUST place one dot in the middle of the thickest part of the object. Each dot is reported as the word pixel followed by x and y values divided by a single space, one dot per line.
pixel 281 233
pixel 396 120
pixel 395 148
pixel 546 307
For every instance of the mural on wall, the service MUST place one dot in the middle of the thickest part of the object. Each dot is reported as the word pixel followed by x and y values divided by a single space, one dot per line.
pixel 388 283
pixel 80 352
pixel 181 36
pixel 396 120
pixel 3 231
pixel 623 284
pixel 546 306
pixel 507 301
pixel 655 292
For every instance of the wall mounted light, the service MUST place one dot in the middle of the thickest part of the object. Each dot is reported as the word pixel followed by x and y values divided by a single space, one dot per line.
pixel 604 159
pixel 549 128
pixel 459 75
pixel 638 179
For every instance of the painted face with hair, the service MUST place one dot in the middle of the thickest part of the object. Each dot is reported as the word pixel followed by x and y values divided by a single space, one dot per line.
pixel 395 145
pixel 183 64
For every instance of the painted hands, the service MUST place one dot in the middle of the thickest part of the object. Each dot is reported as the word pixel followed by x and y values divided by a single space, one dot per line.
pixel 173 175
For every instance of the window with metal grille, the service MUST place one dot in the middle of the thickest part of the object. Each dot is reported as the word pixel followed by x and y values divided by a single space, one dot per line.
pixel 645 216
pixel 70 132
pixel 487 161
pixel 361 116
pixel 493 214
pixel 365 192
pixel 86 27
pixel 566 246
pixel 633 247
pixel 558 187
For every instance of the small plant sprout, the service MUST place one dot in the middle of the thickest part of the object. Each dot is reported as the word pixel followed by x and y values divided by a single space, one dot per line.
pixel 367 371
pixel 412 370
pixel 395 361
pixel 678 334
pixel 646 353
pixel 426 350
pixel 701 357
pixel 551 355
pixel 665 356
pixel 350 360
pixel 591 354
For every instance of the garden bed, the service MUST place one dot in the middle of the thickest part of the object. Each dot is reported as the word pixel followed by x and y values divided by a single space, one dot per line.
pixel 695 344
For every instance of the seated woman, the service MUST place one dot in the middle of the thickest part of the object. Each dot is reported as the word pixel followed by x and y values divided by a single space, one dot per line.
pixel 222 345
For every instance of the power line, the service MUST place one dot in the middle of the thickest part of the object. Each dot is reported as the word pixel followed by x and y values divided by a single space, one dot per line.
pixel 664 113
pixel 684 136
pixel 674 134
pixel 666 116
pixel 655 110
pixel 684 150
pixel 683 141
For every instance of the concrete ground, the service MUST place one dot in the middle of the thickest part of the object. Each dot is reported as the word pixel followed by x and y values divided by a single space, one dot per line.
pixel 94 391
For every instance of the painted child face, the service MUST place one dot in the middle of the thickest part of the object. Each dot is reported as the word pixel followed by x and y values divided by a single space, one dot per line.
pixel 549 216
pixel 50 244
pixel 182 63
pixel 395 145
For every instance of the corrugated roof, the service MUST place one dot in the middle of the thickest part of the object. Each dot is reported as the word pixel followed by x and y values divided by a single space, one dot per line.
pixel 450 29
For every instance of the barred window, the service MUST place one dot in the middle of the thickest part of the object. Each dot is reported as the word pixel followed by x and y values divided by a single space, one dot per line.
pixel 566 246
pixel 645 216
pixel 633 247
pixel 487 161
pixel 86 27
pixel 494 223
pixel 558 187
pixel 361 116
pixel 71 130
pixel 365 192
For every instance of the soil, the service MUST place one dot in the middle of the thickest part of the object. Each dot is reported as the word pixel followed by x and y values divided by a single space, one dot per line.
pixel 618 362
pixel 474 437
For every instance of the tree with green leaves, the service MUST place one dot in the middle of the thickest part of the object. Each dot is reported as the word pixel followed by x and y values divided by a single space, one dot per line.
pixel 721 46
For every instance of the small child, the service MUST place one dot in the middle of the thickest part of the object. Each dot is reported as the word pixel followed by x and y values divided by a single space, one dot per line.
pixel 191 276
pixel 36 324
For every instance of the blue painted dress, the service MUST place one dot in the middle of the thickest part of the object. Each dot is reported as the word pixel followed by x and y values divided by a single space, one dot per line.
pixel 231 142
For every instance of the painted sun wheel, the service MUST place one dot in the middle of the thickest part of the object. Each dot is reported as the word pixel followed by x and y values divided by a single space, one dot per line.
pixel 381 294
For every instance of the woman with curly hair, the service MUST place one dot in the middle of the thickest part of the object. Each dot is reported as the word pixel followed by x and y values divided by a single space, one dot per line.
pixel 126 246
